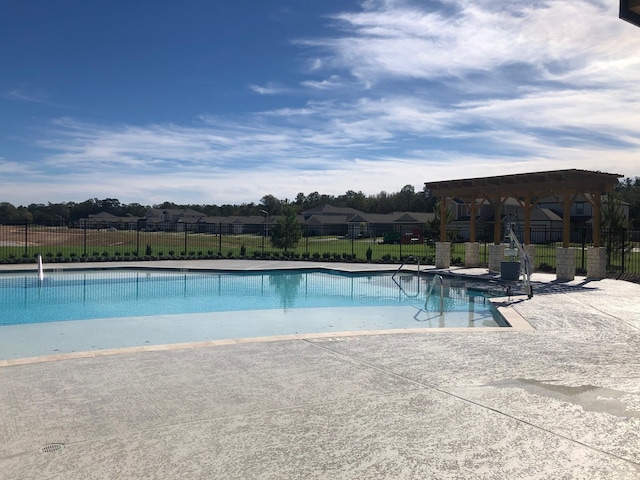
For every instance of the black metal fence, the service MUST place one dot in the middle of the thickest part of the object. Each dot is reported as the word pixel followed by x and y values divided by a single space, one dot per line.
pixel 22 243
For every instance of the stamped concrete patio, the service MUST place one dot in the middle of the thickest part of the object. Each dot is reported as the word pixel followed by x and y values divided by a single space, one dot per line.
pixel 559 401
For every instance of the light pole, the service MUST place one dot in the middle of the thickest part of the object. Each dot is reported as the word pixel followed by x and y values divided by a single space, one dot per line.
pixel 266 228
pixel 267 222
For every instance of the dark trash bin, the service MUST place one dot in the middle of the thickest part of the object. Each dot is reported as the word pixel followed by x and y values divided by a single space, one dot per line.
pixel 510 270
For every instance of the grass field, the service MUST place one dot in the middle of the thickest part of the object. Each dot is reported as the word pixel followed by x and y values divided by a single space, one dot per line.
pixel 19 244
pixel 57 242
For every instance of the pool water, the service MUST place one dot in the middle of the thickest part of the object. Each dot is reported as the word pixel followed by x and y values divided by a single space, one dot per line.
pixel 72 311
pixel 108 294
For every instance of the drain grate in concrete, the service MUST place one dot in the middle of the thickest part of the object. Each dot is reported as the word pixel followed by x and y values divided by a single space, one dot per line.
pixel 52 447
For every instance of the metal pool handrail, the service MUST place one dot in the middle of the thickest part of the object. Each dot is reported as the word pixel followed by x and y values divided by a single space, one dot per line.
pixel 40 268
pixel 393 277
pixel 436 278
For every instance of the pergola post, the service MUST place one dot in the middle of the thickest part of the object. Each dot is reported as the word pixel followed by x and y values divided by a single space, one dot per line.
pixel 527 219
pixel 597 255
pixel 497 224
pixel 472 220
pixel 472 248
pixel 443 248
pixel 565 256
pixel 567 199
pixel 443 219
pixel 597 219
pixel 563 184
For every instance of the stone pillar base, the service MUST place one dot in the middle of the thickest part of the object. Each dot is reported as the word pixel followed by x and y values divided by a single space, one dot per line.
pixel 531 251
pixel 443 254
pixel 496 257
pixel 596 262
pixel 471 254
pixel 565 264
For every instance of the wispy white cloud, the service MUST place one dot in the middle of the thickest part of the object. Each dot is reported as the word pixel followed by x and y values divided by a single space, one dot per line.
pixel 334 81
pixel 19 95
pixel 9 169
pixel 269 89
pixel 402 40
pixel 447 89
pixel 23 95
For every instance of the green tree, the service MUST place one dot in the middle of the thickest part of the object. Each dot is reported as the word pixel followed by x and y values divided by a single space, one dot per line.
pixel 8 212
pixel 271 204
pixel 613 216
pixel 300 199
pixel 629 191
pixel 286 233
pixel 434 224
pixel 406 197
pixel 614 219
pixel 356 200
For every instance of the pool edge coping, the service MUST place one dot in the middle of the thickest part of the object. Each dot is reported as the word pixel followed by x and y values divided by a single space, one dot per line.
pixel 502 304
pixel 239 341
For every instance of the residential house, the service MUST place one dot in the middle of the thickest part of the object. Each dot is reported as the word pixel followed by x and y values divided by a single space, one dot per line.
pixel 170 219
pixel 409 225
pixel 105 220
pixel 546 218
pixel 346 221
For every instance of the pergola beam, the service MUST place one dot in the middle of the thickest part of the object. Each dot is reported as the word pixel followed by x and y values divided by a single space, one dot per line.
pixel 529 186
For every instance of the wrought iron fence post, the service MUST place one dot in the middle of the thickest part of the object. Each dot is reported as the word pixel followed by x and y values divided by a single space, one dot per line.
pixel 84 234
pixel 185 239
pixel 623 232
pixel 138 238
pixel 609 244
pixel 220 239
pixel 584 241
pixel 26 237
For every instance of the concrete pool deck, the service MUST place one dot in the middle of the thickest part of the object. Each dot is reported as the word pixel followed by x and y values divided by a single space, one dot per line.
pixel 559 401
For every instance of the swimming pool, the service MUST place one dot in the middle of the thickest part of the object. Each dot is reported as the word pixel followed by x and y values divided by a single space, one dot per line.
pixel 72 311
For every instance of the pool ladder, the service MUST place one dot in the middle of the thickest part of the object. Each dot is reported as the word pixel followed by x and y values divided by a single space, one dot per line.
pixel 40 268
pixel 393 277
pixel 436 279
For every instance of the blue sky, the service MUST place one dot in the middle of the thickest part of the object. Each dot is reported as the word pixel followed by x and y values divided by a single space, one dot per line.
pixel 226 101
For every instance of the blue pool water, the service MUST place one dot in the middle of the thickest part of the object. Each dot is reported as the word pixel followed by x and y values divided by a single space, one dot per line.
pixel 122 293
pixel 94 310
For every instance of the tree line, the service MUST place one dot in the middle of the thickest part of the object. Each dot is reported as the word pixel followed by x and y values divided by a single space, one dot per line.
pixel 407 199
pixel 628 190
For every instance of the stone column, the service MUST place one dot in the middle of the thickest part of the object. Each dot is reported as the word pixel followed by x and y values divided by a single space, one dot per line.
pixel 471 254
pixel 443 254
pixel 565 263
pixel 531 251
pixel 596 263
pixel 496 257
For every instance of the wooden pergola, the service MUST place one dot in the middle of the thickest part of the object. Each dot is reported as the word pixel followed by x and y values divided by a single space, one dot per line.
pixel 527 189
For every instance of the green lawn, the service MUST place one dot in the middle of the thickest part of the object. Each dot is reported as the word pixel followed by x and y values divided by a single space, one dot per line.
pixel 63 244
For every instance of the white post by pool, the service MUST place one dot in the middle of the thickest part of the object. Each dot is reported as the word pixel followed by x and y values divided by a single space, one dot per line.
pixel 40 270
